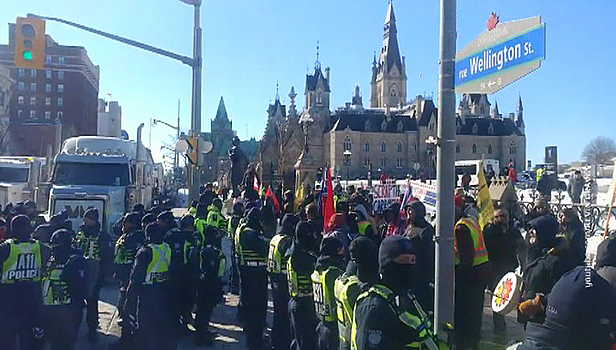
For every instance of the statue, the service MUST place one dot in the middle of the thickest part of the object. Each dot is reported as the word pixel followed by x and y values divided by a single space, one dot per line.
pixel 239 163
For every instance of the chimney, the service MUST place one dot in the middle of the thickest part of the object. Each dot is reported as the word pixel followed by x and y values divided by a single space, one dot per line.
pixel 327 74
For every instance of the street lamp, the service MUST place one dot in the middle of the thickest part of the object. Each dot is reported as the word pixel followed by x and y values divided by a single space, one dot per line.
pixel 347 161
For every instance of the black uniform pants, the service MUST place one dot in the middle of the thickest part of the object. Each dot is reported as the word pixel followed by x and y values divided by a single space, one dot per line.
pixel 328 335
pixel 208 296
pixel 61 324
pixel 281 327
pixel 468 314
pixel 253 294
pixel 92 306
pixel 303 323
pixel 14 329
pixel 157 330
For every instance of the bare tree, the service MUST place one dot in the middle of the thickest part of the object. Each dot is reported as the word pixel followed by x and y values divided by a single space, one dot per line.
pixel 600 150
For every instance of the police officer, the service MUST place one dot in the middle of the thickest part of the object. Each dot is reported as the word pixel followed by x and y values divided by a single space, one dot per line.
pixel 234 221
pixel 64 292
pixel 362 271
pixel 216 220
pixel 329 266
pixel 209 287
pixel 127 245
pixel 387 315
pixel 300 266
pixel 147 297
pixel 97 251
pixel 180 242
pixel 201 222
pixel 253 249
pixel 277 267
pixel 21 259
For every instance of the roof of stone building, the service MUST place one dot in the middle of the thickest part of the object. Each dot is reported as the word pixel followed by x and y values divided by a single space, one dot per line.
pixel 313 80
pixel 221 113
pixel 428 109
pixel 392 51
pixel 500 126
pixel 356 120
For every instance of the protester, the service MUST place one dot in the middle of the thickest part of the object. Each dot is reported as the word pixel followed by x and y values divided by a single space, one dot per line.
pixel 576 186
pixel 605 263
pixel 542 229
pixel 394 225
pixel 572 227
pixel 421 234
pixel 505 246
pixel 338 229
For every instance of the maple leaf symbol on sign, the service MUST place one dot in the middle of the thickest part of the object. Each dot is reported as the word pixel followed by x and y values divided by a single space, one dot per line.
pixel 492 21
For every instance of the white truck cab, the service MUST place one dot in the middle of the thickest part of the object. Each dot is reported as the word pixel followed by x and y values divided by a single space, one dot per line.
pixel 19 178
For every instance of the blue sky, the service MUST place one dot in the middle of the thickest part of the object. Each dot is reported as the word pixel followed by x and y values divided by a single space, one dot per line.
pixel 250 45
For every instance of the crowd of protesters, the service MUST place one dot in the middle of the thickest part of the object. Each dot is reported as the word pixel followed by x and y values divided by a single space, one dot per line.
pixel 349 278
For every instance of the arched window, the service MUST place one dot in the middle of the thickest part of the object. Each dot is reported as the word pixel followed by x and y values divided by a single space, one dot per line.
pixel 400 126
pixel 392 93
pixel 319 97
pixel 367 146
pixel 366 161
pixel 490 129
pixel 383 146
pixel 431 126
pixel 512 148
pixel 399 163
pixel 475 128
pixel 367 126
pixel 489 149
pixel 399 146
pixel 384 125
pixel 474 148
pixel 457 148
pixel 384 162
pixel 347 144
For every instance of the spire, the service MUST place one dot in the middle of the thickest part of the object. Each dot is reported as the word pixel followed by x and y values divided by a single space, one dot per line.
pixel 519 107
pixel 292 110
pixel 277 95
pixel 390 54
pixel 495 113
pixel 317 64
pixel 221 113
pixel 357 100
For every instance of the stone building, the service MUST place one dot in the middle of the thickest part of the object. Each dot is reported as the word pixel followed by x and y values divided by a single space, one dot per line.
pixel 389 136
pixel 6 86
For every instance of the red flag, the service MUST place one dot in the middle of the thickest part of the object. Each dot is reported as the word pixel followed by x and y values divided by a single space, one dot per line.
pixel 269 193
pixel 328 207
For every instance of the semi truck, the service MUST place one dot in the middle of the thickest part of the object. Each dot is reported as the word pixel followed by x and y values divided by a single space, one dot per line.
pixel 106 173
pixel 20 178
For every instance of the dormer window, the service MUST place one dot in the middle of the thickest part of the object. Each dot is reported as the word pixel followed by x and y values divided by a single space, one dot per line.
pixel 319 97
pixel 384 125
pixel 399 146
pixel 489 149
pixel 431 126
pixel 490 129
pixel 383 146
pixel 367 146
pixel 367 126
pixel 474 149
pixel 400 126
pixel 475 128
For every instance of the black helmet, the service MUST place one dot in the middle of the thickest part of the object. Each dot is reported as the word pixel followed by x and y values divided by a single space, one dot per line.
pixel 61 238
pixel 217 202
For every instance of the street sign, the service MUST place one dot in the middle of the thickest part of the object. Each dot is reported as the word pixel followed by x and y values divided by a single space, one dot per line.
pixel 500 56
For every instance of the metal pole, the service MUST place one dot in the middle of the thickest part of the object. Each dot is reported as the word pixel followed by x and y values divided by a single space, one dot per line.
pixel 176 159
pixel 444 286
pixel 195 178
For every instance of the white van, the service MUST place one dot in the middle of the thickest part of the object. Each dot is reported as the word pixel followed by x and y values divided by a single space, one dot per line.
pixel 472 168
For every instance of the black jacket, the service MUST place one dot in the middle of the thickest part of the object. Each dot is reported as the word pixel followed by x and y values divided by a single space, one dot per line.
pixel 502 244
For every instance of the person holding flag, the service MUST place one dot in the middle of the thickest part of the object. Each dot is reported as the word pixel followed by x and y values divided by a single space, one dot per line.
pixel 328 200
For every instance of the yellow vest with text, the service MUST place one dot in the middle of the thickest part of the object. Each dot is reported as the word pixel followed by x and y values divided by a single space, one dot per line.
pixel 24 263
pixel 275 263
pixel 158 268
pixel 344 305
pixel 88 245
pixel 481 253
pixel 323 293
pixel 55 290
pixel 299 285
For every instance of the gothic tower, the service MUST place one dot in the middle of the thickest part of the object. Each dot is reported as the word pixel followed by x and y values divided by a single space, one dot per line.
pixel 316 109
pixel 389 73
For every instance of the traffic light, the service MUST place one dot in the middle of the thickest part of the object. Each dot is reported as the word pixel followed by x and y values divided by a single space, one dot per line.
pixel 30 43
pixel 191 153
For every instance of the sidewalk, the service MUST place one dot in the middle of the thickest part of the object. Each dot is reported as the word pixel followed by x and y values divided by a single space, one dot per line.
pixel 231 337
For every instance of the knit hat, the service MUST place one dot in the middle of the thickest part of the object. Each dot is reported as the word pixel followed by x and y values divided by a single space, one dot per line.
pixel 132 218
pixel 392 247
pixel 303 232
pixel 287 225
pixel 166 217
pixel 606 253
pixel 585 303
pixel 336 221
pixel 330 246
pixel 91 214
pixel 363 249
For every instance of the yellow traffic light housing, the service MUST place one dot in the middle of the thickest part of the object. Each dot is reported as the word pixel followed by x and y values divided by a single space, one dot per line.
pixel 30 43
pixel 192 154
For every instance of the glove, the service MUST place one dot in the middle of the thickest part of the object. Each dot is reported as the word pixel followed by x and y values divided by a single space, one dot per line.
pixel 37 332
pixel 531 307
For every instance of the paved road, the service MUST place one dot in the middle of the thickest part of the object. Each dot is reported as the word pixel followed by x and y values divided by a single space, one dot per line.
pixel 231 337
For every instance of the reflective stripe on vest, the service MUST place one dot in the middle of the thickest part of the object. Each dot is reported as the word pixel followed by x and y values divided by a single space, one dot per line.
pixel 158 268
pixel 248 257
pixel 23 263
pixel 323 294
pixel 481 253
pixel 344 306
pixel 55 290
pixel 363 226
pixel 299 285
pixel 406 317
pixel 88 245
pixel 275 264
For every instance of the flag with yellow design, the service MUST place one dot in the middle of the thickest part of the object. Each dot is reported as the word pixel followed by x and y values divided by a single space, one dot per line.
pixel 484 200
pixel 299 197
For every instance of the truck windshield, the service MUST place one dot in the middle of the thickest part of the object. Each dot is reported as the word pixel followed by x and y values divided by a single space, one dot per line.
pixel 67 173
pixel 13 174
